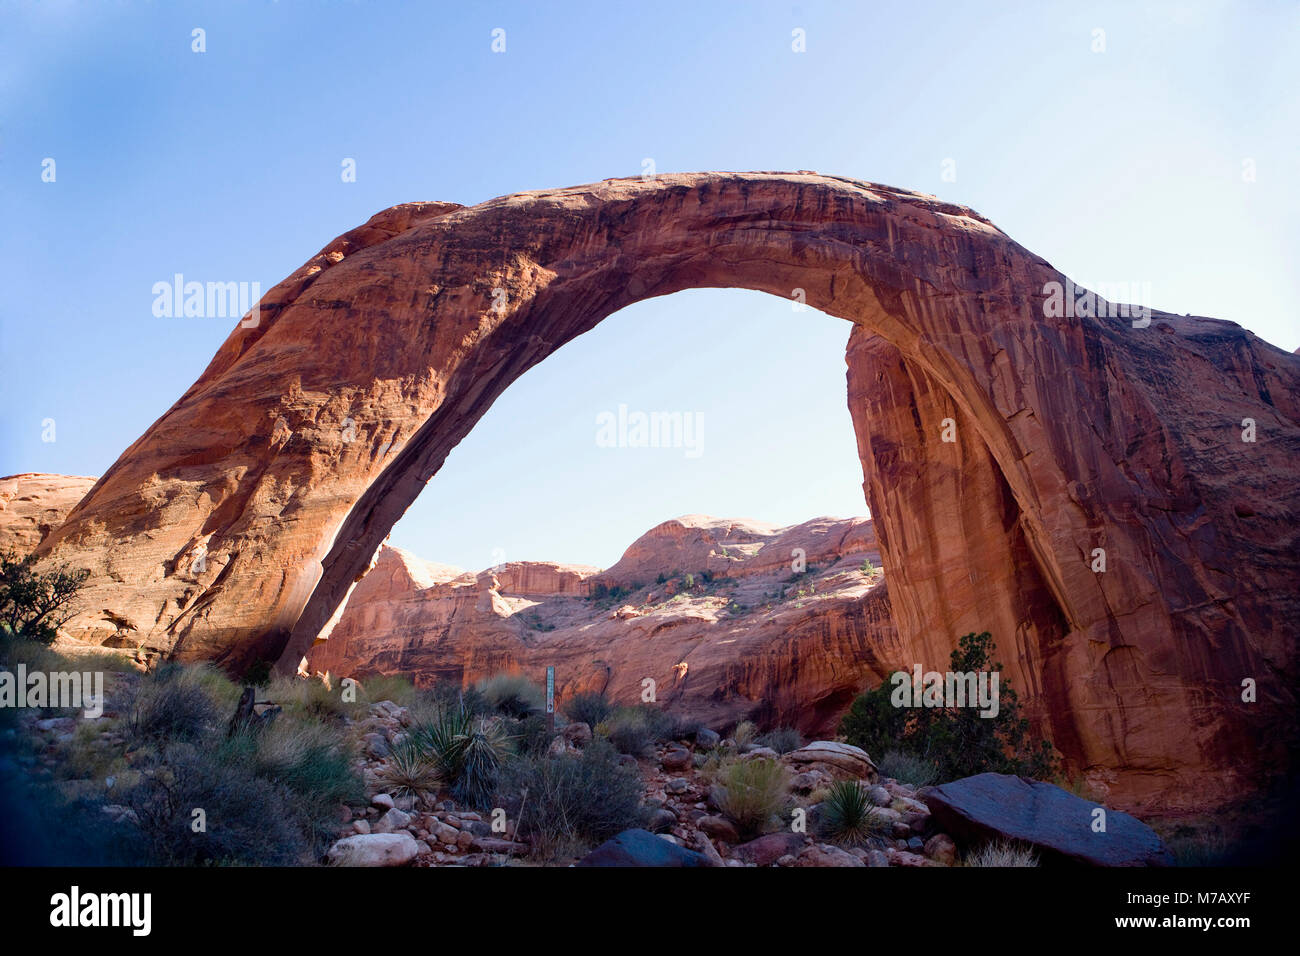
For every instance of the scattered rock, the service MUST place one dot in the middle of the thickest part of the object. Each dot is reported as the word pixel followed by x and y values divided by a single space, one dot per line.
pixel 720 828
pixel 641 848
pixel 577 734
pixel 823 854
pixel 383 801
pixel 941 849
pixel 707 739
pixel 676 758
pixel 392 821
pixel 768 849
pixel 374 849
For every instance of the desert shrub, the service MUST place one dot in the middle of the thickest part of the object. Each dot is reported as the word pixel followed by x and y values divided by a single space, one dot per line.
pixel 409 769
pixel 531 736
pixel 783 740
pixel 590 708
pixel 564 804
pixel 34 604
pixel 745 735
pixel 247 819
pixel 751 792
pixel 467 750
pixel 392 687
pixel 1193 847
pixel 845 815
pixel 174 703
pixel 34 655
pixel 1002 854
pixel 312 697
pixel 905 768
pixel 513 695
pixel 956 739
pixel 632 730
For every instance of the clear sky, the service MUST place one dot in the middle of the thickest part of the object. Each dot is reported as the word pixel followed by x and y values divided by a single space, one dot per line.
pixel 1170 158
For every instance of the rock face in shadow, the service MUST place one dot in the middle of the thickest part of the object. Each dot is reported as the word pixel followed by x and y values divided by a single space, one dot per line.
pixel 1061 827
pixel 749 640
pixel 32 505
pixel 234 528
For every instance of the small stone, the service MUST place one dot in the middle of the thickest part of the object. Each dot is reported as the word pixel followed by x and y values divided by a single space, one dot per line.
pixel 941 849
pixel 361 826
pixel 677 785
pixel 676 758
pixel 392 821
pixel 880 796
pixel 707 739
pixel 660 820
pixel 719 828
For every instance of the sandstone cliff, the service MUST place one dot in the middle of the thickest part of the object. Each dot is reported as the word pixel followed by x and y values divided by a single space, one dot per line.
pixel 749 638
pixel 32 504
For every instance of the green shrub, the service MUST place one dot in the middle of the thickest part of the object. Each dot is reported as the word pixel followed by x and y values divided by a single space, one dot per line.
pixel 905 768
pixel 174 704
pixel 246 819
pixel 752 792
pixel 955 739
pixel 590 708
pixel 783 740
pixel 531 736
pixel 33 604
pixel 310 697
pixel 846 817
pixel 1002 854
pixel 567 803
pixel 513 695
pixel 635 730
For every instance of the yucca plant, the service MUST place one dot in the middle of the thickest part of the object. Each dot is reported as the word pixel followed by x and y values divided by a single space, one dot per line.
pixel 467 751
pixel 846 814
pixel 484 749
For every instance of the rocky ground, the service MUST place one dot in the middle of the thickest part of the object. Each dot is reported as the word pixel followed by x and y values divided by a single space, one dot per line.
pixel 680 802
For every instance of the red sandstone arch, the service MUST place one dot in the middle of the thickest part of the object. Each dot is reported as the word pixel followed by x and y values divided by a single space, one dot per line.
pixel 1073 433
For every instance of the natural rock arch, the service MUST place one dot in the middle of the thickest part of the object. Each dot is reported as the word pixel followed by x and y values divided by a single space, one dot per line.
pixel 234 527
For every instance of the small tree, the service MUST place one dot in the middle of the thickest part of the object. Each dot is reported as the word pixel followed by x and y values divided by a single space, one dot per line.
pixel 956 740
pixel 33 605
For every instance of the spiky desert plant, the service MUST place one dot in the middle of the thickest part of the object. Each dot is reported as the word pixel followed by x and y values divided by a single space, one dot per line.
pixel 745 735
pixel 846 814
pixel 484 748
pixel 782 739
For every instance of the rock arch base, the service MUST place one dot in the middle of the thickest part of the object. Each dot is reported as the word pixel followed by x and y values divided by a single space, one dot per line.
pixel 233 529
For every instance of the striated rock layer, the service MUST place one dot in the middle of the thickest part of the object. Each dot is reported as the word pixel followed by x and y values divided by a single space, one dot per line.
pixel 32 505
pixel 748 639
pixel 234 528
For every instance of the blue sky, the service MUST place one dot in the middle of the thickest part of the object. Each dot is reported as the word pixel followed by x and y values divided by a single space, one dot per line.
pixel 1124 165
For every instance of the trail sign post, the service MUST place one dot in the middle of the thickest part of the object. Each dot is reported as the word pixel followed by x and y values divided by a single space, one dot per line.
pixel 550 697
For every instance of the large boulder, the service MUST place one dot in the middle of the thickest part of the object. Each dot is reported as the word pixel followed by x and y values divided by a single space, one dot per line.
pixel 374 849
pixel 641 848
pixel 835 758
pixel 1059 825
